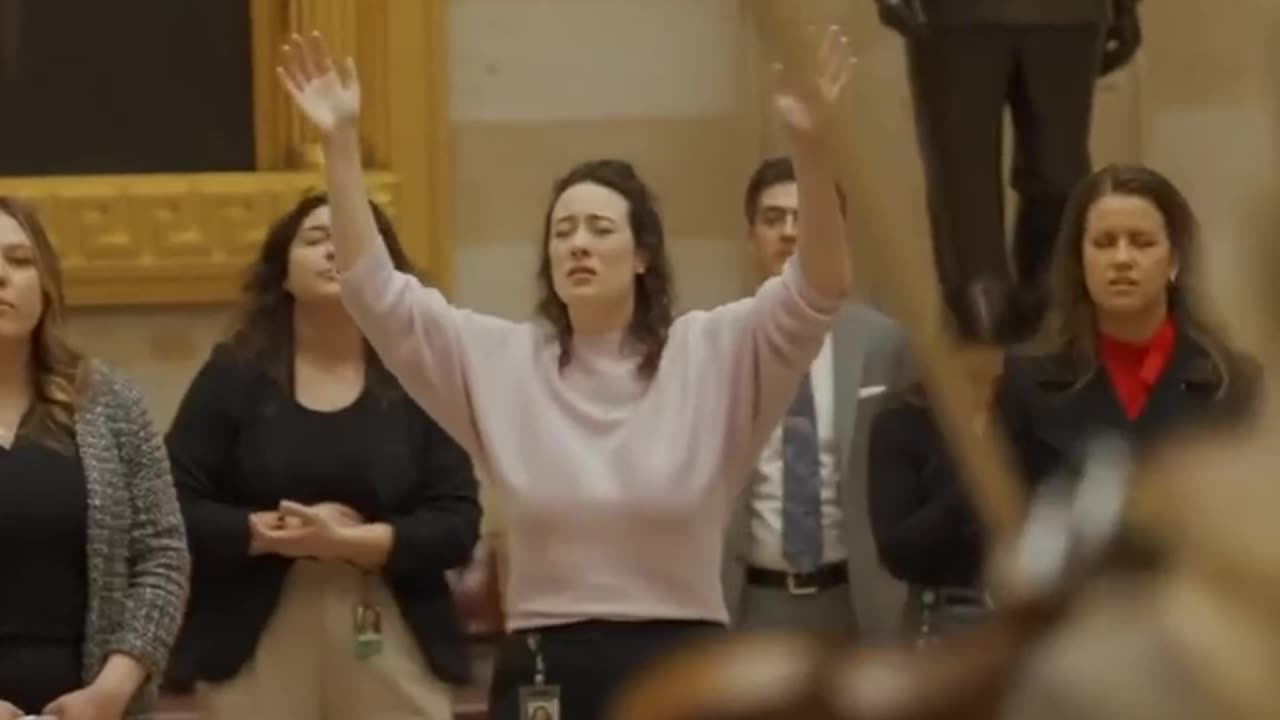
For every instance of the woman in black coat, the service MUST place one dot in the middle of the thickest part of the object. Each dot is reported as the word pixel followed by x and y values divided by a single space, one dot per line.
pixel 925 528
pixel 1128 349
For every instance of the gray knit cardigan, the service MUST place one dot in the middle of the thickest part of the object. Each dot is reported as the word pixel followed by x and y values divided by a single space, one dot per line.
pixel 137 558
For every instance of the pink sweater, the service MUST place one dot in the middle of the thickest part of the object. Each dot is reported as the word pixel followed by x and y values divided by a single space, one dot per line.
pixel 617 490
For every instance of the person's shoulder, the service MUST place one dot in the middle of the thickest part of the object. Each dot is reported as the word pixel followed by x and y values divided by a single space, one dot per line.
pixel 104 383
pixel 1246 385
pixel 902 422
pixel 110 399
pixel 905 406
pixel 231 365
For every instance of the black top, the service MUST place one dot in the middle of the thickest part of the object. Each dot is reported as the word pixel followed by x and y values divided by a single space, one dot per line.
pixel 311 456
pixel 925 529
pixel 43 535
pixel 240 442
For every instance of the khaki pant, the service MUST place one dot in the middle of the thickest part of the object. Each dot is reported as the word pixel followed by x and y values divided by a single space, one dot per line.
pixel 305 667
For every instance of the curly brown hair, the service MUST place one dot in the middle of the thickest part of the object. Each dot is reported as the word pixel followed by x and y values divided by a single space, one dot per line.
pixel 652 316
pixel 59 370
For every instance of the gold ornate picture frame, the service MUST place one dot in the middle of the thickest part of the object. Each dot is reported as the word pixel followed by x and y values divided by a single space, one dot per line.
pixel 153 239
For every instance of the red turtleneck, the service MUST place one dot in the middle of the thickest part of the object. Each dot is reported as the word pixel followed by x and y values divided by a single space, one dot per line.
pixel 1134 368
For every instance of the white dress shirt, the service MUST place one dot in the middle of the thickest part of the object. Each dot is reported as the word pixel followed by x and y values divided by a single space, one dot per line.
pixel 766 492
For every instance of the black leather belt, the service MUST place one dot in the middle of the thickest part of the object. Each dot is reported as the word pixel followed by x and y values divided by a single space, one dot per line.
pixel 825 577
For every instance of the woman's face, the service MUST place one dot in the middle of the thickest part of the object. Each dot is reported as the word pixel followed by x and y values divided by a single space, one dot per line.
pixel 21 296
pixel 312 274
pixel 1127 257
pixel 592 251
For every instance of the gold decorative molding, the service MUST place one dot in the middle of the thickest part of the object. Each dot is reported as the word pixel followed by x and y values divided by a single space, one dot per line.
pixel 269 23
pixel 187 238
pixel 159 239
pixel 419 132
pixel 351 28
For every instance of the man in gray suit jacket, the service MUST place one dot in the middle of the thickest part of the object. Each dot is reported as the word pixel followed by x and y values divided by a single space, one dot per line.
pixel 800 554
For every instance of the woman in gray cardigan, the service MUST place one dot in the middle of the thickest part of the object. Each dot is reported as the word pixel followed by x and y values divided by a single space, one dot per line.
pixel 92 546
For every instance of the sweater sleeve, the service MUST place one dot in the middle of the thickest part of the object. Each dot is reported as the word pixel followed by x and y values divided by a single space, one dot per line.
pixel 764 345
pixel 159 563
pixel 421 338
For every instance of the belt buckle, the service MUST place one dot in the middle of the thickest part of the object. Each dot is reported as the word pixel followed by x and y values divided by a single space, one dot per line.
pixel 795 589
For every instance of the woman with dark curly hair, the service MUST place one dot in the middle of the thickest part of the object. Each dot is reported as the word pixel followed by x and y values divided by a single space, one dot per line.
pixel 619 435
pixel 324 508
pixel 92 549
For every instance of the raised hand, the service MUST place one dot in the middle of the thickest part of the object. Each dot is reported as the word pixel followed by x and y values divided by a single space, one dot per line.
pixel 802 100
pixel 10 712
pixel 328 95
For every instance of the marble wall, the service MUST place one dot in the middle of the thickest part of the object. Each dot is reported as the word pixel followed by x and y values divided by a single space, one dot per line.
pixel 673 85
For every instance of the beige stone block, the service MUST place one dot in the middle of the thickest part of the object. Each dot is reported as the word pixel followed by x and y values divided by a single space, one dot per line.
pixel 570 60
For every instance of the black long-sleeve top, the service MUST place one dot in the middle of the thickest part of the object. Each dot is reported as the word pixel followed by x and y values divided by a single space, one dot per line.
pixel 240 442
pixel 925 529
pixel 43 533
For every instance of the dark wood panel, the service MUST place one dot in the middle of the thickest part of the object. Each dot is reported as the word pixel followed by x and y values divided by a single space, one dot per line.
pixel 125 86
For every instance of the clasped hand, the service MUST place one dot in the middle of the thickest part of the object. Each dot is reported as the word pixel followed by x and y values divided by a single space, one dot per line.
pixel 302 531
pixel 94 702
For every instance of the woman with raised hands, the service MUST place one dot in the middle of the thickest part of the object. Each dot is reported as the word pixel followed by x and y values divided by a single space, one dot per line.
pixel 619 435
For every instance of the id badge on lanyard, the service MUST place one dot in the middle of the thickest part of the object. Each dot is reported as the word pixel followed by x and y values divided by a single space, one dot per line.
pixel 539 701
pixel 367 624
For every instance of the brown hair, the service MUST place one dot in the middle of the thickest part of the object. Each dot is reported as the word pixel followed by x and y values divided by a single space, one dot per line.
pixel 652 316
pixel 263 332
pixel 58 369
pixel 775 171
pixel 1070 324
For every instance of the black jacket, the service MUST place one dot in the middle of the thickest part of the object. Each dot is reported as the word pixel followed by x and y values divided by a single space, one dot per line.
pixel 421 484
pixel 924 525
pixel 1052 408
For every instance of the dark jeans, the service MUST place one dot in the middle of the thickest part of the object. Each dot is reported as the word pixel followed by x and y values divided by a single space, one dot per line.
pixel 962 79
pixel 34 674
pixel 589 662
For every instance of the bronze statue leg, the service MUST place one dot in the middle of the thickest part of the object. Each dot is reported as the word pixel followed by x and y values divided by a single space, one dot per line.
pixel 960 77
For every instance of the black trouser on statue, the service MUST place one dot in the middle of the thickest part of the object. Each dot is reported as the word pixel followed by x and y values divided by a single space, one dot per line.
pixel 962 78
